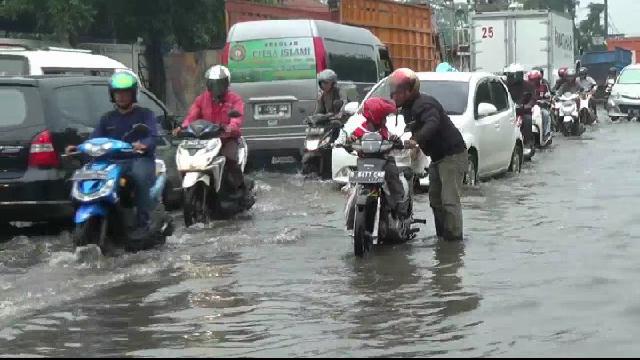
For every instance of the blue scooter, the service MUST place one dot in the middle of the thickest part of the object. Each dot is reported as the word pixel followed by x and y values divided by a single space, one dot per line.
pixel 105 212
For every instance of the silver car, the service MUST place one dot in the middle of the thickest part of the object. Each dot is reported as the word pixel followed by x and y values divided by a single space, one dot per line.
pixel 624 101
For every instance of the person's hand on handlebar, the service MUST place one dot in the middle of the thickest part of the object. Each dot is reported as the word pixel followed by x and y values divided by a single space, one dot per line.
pixel 139 147
pixel 411 144
pixel 177 131
pixel 71 149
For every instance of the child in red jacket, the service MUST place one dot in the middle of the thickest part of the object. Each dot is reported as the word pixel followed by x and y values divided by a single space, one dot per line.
pixel 376 111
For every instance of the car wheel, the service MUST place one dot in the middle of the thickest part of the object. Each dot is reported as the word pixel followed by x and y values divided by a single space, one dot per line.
pixel 471 175
pixel 516 160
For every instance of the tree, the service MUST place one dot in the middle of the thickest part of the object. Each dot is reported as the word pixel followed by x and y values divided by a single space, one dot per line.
pixel 591 28
pixel 189 24
pixel 67 19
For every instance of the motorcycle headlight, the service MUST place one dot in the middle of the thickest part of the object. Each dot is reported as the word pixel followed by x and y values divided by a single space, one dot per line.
pixel 104 190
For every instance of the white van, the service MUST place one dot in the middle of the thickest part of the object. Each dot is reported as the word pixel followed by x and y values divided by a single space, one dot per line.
pixel 55 61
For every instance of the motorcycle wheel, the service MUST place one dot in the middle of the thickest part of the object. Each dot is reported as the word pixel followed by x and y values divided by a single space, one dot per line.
pixel 325 166
pixel 362 241
pixel 195 206
pixel 93 230
pixel 310 166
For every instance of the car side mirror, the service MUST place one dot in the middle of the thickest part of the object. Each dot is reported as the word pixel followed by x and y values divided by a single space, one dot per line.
pixel 351 108
pixel 486 109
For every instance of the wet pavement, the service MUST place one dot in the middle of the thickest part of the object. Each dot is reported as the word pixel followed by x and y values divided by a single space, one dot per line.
pixel 548 268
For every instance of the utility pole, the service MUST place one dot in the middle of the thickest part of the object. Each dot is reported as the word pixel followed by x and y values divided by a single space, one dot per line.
pixel 606 19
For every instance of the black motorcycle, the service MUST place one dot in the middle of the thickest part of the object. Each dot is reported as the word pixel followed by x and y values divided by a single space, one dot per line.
pixel 368 213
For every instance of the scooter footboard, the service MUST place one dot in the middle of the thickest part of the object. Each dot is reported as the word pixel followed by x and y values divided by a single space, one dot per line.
pixel 87 211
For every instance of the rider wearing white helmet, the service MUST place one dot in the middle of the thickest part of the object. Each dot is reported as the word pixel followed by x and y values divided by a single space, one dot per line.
pixel 215 105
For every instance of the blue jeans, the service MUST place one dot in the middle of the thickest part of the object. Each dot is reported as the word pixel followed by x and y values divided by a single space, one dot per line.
pixel 142 171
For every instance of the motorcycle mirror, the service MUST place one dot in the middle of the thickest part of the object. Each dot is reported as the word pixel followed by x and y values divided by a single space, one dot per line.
pixel 234 113
pixel 139 130
pixel 351 108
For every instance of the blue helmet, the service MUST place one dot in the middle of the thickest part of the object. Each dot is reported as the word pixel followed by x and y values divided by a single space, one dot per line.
pixel 445 67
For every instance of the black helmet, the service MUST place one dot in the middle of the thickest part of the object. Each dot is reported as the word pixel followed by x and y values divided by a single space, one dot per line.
pixel 327 75
pixel 123 80
pixel 218 80
pixel 583 72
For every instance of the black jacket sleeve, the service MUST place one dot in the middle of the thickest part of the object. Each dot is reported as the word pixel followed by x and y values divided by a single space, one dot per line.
pixel 428 121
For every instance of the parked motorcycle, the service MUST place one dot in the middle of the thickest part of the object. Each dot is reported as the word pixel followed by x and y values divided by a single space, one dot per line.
pixel 571 125
pixel 322 131
pixel 202 165
pixel 367 214
pixel 105 213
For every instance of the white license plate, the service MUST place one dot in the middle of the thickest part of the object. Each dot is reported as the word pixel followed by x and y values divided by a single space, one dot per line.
pixel 273 110
pixel 367 177
pixel 282 160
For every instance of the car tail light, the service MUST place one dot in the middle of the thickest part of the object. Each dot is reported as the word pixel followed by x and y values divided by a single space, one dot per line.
pixel 321 55
pixel 224 56
pixel 42 153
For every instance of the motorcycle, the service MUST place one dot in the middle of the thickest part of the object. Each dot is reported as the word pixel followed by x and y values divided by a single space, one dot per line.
pixel 586 114
pixel 609 88
pixel 103 197
pixel 202 166
pixel 538 124
pixel 530 148
pixel 367 214
pixel 571 125
pixel 322 131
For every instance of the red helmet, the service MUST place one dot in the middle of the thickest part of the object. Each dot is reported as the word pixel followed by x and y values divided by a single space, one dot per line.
pixel 562 72
pixel 376 110
pixel 405 78
pixel 534 76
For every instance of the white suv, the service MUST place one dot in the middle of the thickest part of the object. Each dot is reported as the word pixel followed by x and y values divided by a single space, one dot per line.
pixel 55 61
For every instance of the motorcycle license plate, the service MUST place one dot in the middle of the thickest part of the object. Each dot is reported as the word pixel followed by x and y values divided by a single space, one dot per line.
pixel 89 175
pixel 367 177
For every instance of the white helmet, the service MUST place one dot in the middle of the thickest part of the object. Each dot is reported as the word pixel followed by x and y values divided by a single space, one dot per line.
pixel 514 68
pixel 218 80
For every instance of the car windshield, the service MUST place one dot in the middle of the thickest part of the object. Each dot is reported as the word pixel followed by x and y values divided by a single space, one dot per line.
pixel 630 77
pixel 453 95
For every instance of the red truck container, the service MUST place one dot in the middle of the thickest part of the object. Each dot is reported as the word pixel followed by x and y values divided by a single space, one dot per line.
pixel 241 10
pixel 631 43
pixel 408 30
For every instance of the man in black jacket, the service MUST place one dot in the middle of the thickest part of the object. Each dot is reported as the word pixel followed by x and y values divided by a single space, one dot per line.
pixel 438 138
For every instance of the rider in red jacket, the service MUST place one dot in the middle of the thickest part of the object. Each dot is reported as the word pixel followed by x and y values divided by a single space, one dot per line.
pixel 214 105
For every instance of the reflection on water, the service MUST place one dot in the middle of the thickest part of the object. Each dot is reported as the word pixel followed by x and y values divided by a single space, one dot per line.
pixel 549 267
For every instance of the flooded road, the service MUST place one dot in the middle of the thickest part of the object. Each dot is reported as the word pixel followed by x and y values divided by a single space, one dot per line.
pixel 549 267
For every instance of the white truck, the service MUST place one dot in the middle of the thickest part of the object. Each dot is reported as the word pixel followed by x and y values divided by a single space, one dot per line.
pixel 528 37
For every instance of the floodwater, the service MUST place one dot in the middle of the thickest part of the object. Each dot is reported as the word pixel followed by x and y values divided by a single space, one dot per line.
pixel 549 267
